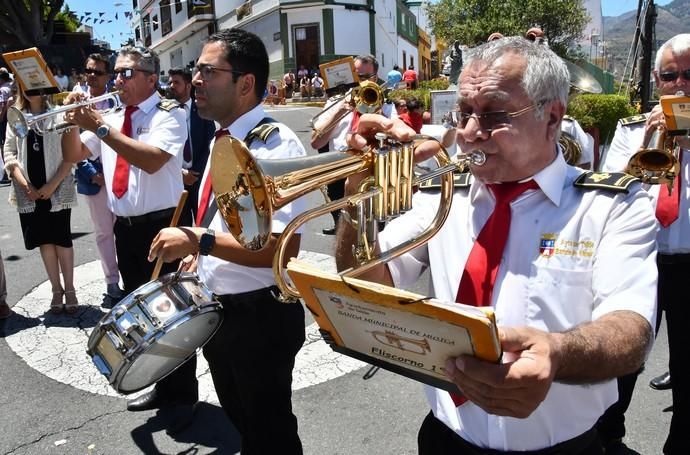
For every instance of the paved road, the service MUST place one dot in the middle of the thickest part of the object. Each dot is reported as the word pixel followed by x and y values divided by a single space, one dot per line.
pixel 53 402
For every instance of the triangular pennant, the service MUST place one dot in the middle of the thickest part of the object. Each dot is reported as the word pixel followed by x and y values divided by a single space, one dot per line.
pixel 87 13
pixel 100 14
pixel 116 16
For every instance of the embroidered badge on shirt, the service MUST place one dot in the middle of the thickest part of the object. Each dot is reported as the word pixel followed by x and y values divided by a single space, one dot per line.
pixel 550 246
pixel 547 245
pixel 141 130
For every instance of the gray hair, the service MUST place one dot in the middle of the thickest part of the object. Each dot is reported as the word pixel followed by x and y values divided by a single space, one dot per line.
pixel 546 77
pixel 147 60
pixel 679 44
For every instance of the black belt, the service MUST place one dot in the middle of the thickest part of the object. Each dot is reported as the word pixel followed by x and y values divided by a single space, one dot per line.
pixel 581 444
pixel 147 217
pixel 249 296
pixel 673 258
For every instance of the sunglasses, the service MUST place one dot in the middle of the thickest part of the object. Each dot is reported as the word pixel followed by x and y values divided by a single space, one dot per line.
pixel 489 121
pixel 670 76
pixel 128 73
pixel 94 72
pixel 207 72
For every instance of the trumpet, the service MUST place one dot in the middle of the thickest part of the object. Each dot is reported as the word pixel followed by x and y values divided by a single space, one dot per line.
pixel 22 122
pixel 367 98
pixel 248 191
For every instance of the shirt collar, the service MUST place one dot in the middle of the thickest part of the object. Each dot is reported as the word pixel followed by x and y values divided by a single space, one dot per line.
pixel 550 180
pixel 241 127
pixel 149 103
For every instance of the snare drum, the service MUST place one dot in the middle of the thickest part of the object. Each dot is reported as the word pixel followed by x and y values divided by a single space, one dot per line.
pixel 154 330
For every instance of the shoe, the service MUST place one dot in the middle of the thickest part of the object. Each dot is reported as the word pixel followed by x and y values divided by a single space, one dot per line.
pixel 149 400
pixel 114 292
pixel 328 231
pixel 56 303
pixel 5 311
pixel 662 382
pixel 182 416
pixel 71 302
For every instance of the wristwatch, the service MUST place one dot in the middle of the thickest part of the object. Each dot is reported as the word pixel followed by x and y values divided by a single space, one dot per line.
pixel 206 242
pixel 102 131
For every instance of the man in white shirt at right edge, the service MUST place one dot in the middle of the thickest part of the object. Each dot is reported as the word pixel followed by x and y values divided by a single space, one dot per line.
pixel 571 318
pixel 672 75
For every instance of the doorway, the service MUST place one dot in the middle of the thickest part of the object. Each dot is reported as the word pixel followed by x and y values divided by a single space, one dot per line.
pixel 306 39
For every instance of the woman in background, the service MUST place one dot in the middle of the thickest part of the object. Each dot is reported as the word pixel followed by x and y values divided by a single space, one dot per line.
pixel 43 193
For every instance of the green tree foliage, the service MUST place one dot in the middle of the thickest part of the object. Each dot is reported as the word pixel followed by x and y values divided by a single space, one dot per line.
pixel 472 21
pixel 600 111
pixel 31 21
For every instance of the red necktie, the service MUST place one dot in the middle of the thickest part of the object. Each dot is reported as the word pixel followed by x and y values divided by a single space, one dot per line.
pixel 206 191
pixel 478 278
pixel 121 174
pixel 668 204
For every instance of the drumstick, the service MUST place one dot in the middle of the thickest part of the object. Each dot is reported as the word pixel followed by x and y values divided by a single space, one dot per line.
pixel 173 223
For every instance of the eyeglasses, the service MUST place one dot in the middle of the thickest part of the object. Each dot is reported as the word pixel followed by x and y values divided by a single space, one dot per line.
pixel 208 71
pixel 128 73
pixel 670 76
pixel 366 75
pixel 94 72
pixel 489 121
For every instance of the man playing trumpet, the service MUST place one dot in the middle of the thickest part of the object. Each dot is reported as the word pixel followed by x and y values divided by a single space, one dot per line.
pixel 140 147
pixel 568 266
pixel 672 75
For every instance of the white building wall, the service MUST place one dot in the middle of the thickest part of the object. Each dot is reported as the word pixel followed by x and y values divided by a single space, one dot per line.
pixel 386 35
pixel 351 32
pixel 411 51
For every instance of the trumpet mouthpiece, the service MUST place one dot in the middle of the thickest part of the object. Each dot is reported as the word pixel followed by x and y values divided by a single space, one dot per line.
pixel 477 157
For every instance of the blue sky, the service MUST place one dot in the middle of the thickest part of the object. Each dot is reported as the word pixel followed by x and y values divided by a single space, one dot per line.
pixel 618 7
pixel 119 30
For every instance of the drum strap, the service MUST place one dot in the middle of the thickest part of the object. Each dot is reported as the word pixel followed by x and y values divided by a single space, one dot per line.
pixel 261 131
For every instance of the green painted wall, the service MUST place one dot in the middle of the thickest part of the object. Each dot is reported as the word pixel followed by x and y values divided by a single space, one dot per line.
pixel 328 33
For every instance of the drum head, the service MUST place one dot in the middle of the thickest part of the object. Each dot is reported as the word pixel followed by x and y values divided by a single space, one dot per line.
pixel 170 350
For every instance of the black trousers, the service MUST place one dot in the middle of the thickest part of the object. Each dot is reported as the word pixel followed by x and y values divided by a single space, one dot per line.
pixel 251 358
pixel 335 190
pixel 673 276
pixel 132 243
pixel 435 438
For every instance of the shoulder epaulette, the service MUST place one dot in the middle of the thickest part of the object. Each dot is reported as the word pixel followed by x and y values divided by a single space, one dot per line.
pixel 261 131
pixel 612 181
pixel 632 120
pixel 167 105
pixel 567 117
pixel 460 180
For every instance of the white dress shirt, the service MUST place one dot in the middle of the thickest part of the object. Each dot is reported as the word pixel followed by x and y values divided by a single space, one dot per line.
pixel 673 239
pixel 224 277
pixel 602 259
pixel 159 128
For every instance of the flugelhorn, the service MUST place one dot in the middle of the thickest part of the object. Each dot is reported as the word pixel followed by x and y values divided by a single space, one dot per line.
pixel 657 161
pixel 367 98
pixel 22 122
pixel 248 191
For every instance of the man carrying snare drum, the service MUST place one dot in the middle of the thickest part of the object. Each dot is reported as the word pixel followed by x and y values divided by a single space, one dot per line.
pixel 252 355
pixel 140 146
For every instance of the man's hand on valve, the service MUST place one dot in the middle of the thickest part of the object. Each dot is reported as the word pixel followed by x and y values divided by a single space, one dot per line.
pixel 369 125
pixel 516 387
pixel 85 117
